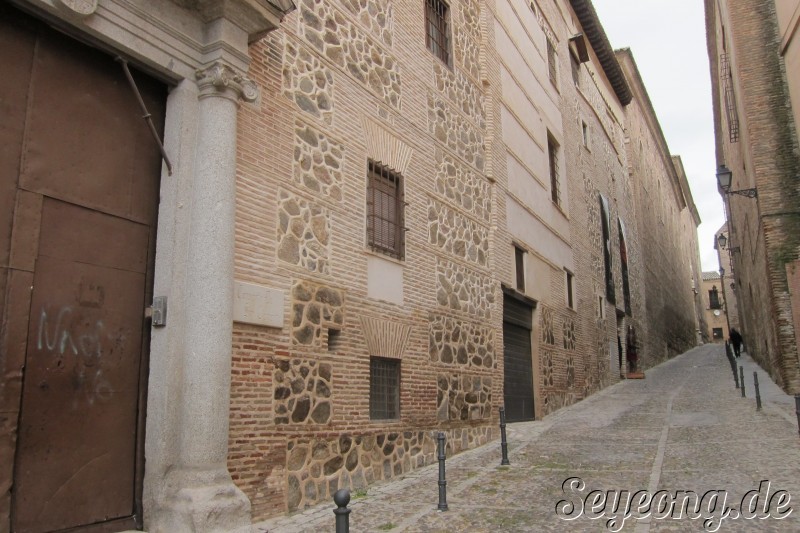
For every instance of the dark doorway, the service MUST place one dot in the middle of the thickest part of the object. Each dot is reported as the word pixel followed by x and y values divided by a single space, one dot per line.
pixel 518 366
pixel 79 173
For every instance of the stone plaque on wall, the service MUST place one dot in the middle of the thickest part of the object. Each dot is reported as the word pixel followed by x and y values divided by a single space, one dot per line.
pixel 258 305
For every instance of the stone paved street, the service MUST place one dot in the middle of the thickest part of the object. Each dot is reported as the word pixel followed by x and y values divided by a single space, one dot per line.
pixel 685 427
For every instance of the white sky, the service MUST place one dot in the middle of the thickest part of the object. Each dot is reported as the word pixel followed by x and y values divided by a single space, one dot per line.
pixel 667 38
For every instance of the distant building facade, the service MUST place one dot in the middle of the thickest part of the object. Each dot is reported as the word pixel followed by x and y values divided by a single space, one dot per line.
pixel 667 221
pixel 751 53
pixel 714 307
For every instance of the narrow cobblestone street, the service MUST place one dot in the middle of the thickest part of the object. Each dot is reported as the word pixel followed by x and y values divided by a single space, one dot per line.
pixel 685 427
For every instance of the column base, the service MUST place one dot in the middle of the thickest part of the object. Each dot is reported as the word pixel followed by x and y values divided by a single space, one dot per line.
pixel 200 502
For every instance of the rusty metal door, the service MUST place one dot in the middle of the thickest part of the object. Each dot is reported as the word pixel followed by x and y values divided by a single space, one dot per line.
pixel 85 204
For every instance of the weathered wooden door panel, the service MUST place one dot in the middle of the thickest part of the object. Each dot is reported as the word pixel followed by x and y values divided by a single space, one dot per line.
pixel 89 145
pixel 78 425
pixel 16 56
pixel 79 178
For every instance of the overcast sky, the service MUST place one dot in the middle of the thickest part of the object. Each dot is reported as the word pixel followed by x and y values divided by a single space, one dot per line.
pixel 667 38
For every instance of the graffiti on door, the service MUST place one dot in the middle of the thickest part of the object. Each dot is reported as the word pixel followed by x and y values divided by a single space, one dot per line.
pixel 83 343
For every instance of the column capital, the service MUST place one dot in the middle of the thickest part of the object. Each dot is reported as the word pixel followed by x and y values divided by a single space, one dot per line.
pixel 219 79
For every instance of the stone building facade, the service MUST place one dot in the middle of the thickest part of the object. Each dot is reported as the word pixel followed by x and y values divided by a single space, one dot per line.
pixel 137 228
pixel 488 227
pixel 756 139
pixel 715 307
pixel 667 220
pixel 351 85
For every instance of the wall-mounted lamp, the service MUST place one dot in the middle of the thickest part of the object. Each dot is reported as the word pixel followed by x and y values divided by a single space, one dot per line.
pixel 723 241
pixel 722 272
pixel 284 6
pixel 724 177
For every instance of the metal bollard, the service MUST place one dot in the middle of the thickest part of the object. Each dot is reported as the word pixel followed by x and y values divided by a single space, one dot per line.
pixel 758 392
pixel 733 369
pixel 741 376
pixel 503 441
pixel 797 410
pixel 442 480
pixel 341 499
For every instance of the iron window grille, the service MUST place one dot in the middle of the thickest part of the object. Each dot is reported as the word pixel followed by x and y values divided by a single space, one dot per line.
pixel 713 299
pixel 605 221
pixel 730 98
pixel 519 260
pixel 384 388
pixel 576 69
pixel 385 211
pixel 570 290
pixel 551 62
pixel 437 29
pixel 552 152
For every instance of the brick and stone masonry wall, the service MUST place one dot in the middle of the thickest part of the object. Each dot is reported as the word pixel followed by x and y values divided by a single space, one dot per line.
pixel 345 81
pixel 766 230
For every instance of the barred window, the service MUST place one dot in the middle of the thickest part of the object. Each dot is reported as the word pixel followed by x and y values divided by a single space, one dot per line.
pixel 385 206
pixel 551 62
pixel 519 262
pixel 384 388
pixel 570 290
pixel 437 29
pixel 713 298
pixel 552 153
pixel 576 69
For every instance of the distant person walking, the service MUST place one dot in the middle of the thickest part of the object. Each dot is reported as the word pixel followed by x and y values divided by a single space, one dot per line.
pixel 736 340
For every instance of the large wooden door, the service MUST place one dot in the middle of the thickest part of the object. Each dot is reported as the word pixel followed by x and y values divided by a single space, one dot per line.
pixel 517 365
pixel 82 183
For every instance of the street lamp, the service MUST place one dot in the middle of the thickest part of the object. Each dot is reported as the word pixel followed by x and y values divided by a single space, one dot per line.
pixel 284 6
pixel 724 177
pixel 723 241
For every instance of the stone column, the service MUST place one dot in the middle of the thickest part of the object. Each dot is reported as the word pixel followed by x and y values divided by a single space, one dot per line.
pixel 200 495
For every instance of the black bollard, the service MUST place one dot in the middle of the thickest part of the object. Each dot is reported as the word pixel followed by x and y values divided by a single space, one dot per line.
pixel 442 481
pixel 797 410
pixel 732 363
pixel 735 373
pixel 758 392
pixel 341 499
pixel 741 379
pixel 503 441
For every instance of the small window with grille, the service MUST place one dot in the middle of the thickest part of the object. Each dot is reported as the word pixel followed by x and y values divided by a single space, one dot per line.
pixel 437 29
pixel 519 263
pixel 552 153
pixel 384 388
pixel 551 62
pixel 576 69
pixel 385 206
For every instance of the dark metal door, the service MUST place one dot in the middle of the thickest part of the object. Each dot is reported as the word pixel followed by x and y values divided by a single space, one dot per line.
pixel 518 368
pixel 86 202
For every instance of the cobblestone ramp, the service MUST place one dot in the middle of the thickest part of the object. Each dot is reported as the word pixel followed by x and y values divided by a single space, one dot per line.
pixel 684 427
